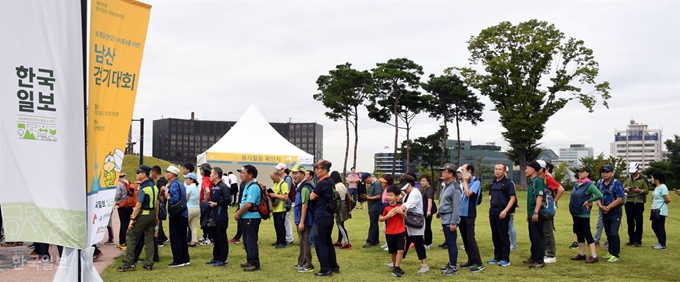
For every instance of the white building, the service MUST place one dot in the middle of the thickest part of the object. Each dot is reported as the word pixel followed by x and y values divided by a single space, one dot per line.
pixel 574 153
pixel 382 162
pixel 638 144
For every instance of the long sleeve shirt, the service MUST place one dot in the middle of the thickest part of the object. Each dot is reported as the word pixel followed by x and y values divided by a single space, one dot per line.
pixel 449 205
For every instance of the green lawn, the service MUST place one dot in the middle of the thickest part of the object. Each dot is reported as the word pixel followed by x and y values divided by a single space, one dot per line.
pixel 368 264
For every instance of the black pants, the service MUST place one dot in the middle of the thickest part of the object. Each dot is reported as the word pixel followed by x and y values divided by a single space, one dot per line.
pixel 178 243
pixel 659 227
pixel 537 240
pixel 161 234
pixel 582 230
pixel 139 246
pixel 251 228
pixel 467 231
pixel 611 223
pixel 239 231
pixel 634 220
pixel 418 244
pixel 323 244
pixel 427 239
pixel 124 216
pixel 499 235
pixel 373 227
pixel 234 194
pixel 220 245
pixel 280 227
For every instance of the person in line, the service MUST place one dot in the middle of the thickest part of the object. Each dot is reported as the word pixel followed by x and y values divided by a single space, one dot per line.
pixel 386 181
pixel 556 190
pixel 660 201
pixel 323 220
pixel 233 188
pixel 250 218
pixel 186 169
pixel 468 215
pixel 637 188
pixel 205 170
pixel 413 202
pixel 179 223
pixel 512 232
pixel 279 195
pixel 502 200
pixel 582 197
pixel 124 211
pixel 611 208
pixel 449 209
pixel 353 179
pixel 309 175
pixel 193 197
pixel 343 214
pixel 239 231
pixel 283 171
pixel 535 194
pixel 374 198
pixel 429 208
pixel 395 231
pixel 220 199
pixel 161 183
pixel 303 218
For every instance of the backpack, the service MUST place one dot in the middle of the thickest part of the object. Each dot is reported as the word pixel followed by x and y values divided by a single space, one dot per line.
pixel 291 190
pixel 132 193
pixel 350 203
pixel 335 202
pixel 265 206
pixel 505 194
pixel 479 196
pixel 547 210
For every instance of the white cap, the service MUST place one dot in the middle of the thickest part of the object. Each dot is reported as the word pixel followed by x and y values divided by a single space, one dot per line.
pixel 173 169
pixel 403 188
pixel 542 163
pixel 633 168
pixel 460 169
pixel 280 166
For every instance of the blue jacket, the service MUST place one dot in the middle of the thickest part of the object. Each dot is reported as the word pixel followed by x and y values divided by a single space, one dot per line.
pixel 297 212
pixel 220 194
pixel 178 193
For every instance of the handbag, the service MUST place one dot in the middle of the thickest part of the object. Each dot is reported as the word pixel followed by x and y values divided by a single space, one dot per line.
pixel 180 206
pixel 655 214
pixel 414 220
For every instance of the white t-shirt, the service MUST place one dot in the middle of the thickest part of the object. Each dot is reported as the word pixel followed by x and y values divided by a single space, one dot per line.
pixel 225 179
pixel 232 179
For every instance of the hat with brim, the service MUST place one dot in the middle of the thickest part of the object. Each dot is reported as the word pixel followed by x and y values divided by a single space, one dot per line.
pixel 583 168
pixel 405 186
pixel 606 168
pixel 449 166
pixel 535 165
pixel 323 164
pixel 143 168
pixel 633 168
pixel 298 168
pixel 173 169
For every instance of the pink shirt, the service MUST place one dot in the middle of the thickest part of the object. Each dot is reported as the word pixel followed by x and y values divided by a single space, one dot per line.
pixel 351 177
pixel 384 196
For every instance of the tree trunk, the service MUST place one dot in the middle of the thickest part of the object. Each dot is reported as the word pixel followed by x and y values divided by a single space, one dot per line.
pixel 458 136
pixel 434 186
pixel 521 156
pixel 444 139
pixel 356 135
pixel 408 148
pixel 396 136
pixel 344 167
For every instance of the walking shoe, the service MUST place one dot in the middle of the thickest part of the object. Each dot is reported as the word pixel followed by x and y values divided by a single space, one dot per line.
pixel 465 265
pixel 220 264
pixel 281 246
pixel 110 243
pixel 423 269
pixel 384 246
pixel 528 261
pixel 98 256
pixel 245 264
pixel 574 245
pixel 504 263
pixel 389 265
pixel 447 266
pixel 367 245
pixel 201 240
pixel 251 268
pixel 337 244
pixel 234 241
pixel 147 267
pixel 537 265
pixel 549 260
pixel 397 272
pixel 613 259
pixel 189 263
pixel 305 269
pixel 428 247
pixel 476 268
pixel 579 257
pixel 212 261
pixel 607 256
pixel 346 247
pixel 175 264
pixel 204 243
pixel 444 245
pixel 629 243
pixel 335 269
pixel 327 273
pixel 126 267
pixel 492 261
pixel 289 242
pixel 660 248
pixel 637 244
pixel 296 266
pixel 161 245
pixel 513 247
pixel 450 271
pixel 592 259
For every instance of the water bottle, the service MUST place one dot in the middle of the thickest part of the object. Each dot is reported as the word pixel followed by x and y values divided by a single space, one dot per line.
pixel 155 231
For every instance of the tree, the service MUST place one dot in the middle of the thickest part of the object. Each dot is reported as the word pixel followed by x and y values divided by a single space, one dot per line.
pixel 343 90
pixel 564 175
pixel 425 150
pixel 451 100
pixel 515 59
pixel 396 96
pixel 484 170
pixel 596 163
pixel 670 168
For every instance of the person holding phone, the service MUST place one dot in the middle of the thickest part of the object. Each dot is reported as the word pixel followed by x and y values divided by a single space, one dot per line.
pixel 637 188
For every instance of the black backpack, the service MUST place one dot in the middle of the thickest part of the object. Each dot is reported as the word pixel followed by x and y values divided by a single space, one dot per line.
pixel 479 195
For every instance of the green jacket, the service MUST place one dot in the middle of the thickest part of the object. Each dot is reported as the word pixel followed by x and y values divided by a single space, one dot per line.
pixel 640 182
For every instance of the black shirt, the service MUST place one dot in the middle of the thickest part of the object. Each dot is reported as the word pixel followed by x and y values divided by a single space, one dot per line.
pixel 324 191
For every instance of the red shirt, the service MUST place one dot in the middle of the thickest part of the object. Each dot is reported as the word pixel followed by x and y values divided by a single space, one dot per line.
pixel 206 183
pixel 395 224
pixel 551 183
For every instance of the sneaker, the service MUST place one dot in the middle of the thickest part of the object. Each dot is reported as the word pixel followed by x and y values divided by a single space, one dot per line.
pixel 423 269
pixel 613 259
pixel 305 269
pixel 281 246
pixel 637 244
pixel 161 245
pixel 220 264
pixel 98 256
pixel 346 247
pixel 513 247
pixel 251 268
pixel 337 244
pixel 328 273
pixel 447 266
pixel 528 261
pixel 549 260
pixel 110 243
pixel 384 246
pixel 201 240
pixel 574 245
pixel 335 269
pixel 537 265
pixel 629 243
pixel 147 267
pixel 428 247
pixel 397 272
pixel 234 241
pixel 476 268
pixel 579 257
pixel 607 256
pixel 504 263
pixel 444 245
pixel 245 264
pixel 389 265
pixel 660 247
pixel 367 245
pixel 465 265
pixel 212 261
pixel 126 267
pixel 492 261
pixel 592 259
pixel 296 266
pixel 175 264
pixel 450 271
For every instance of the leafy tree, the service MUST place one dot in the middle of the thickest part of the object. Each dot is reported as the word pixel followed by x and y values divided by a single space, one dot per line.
pixel 424 149
pixel 596 163
pixel 450 99
pixel 670 168
pixel 343 90
pixel 396 97
pixel 484 170
pixel 564 175
pixel 516 60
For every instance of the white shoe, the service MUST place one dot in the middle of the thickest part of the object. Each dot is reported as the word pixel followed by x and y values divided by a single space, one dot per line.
pixel 389 265
pixel 549 260
pixel 424 269
pixel 384 246
pixel 462 247
pixel 427 247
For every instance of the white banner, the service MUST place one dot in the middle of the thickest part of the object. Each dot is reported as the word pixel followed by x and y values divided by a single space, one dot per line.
pixel 42 124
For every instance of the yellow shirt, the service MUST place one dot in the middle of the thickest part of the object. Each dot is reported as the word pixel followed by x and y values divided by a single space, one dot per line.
pixel 280 188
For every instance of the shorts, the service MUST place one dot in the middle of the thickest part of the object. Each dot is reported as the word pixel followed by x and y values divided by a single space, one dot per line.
pixel 395 242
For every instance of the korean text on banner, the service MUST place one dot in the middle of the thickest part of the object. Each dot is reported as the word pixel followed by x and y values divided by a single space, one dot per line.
pixel 42 127
pixel 117 36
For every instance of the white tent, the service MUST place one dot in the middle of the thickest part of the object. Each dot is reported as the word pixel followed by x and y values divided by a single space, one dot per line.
pixel 252 140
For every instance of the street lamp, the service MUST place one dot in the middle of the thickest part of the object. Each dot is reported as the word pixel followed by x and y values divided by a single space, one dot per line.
pixel 141 140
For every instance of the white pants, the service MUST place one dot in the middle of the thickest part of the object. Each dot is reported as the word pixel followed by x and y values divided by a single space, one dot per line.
pixel 289 228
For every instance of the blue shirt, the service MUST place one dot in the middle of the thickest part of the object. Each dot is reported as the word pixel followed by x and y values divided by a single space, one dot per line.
pixel 194 194
pixel 251 194
pixel 178 193
pixel 467 209
pixel 658 200
pixel 611 192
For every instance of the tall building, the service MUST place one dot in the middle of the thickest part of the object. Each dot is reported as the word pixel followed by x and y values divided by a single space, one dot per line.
pixel 638 144
pixel 486 155
pixel 181 140
pixel 574 153
pixel 382 162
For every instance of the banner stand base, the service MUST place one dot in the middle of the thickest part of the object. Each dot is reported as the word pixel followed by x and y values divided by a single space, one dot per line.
pixel 68 269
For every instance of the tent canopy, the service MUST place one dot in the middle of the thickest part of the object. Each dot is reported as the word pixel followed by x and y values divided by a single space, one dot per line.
pixel 252 140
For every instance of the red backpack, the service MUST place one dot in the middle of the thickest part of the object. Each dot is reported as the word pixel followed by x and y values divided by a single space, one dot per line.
pixel 265 207
pixel 132 194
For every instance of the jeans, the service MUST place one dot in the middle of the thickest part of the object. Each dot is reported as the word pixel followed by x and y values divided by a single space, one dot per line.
pixel 289 228
pixel 342 231
pixel 427 239
pixel 512 232
pixel 467 231
pixel 325 251
pixel 598 227
pixel 611 223
pixel 537 239
pixel 373 227
pixel 124 216
pixel 353 192
pixel 251 229
pixel 279 227
pixel 549 233
pixel 220 245
pixel 178 242
pixel 451 238
pixel 659 227
pixel 501 243
pixel 305 256
pixel 634 220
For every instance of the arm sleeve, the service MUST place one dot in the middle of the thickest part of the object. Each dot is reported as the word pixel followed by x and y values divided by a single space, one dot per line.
pixel 140 195
pixel 304 191
pixel 592 190
pixel 645 188
pixel 552 184
pixel 430 193
pixel 174 191
pixel 476 186
pixel 511 188
pixel 412 201
pixel 226 197
pixel 284 188
pixel 455 215
pixel 119 192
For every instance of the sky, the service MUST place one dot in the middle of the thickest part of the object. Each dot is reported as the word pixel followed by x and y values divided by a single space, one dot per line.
pixel 216 58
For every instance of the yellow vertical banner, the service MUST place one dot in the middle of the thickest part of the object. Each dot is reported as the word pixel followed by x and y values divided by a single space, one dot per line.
pixel 117 38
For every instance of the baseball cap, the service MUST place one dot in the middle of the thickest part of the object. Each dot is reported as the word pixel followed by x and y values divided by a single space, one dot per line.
pixel 324 164
pixel 403 188
pixel 280 166
pixel 584 168
pixel 143 168
pixel 191 176
pixel 173 169
pixel 542 163
pixel 607 168
pixel 298 168
pixel 449 166
pixel 535 165
pixel 122 174
pixel 633 167
pixel 365 176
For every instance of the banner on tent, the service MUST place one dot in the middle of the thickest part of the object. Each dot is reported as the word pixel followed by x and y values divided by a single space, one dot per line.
pixel 117 35
pixel 250 158
pixel 42 129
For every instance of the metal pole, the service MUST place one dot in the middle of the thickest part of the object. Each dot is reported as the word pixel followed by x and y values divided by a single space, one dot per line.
pixel 141 141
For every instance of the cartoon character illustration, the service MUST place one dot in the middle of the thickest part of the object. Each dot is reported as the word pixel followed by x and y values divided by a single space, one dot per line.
pixel 112 163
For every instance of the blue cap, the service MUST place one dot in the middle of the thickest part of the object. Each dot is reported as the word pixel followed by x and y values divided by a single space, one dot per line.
pixel 191 175
pixel 364 176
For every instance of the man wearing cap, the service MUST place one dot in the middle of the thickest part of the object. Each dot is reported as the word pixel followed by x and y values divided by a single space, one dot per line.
pixel 124 212
pixel 549 222
pixel 449 212
pixel 220 199
pixel 279 195
pixel 249 217
pixel 323 220
pixel 281 170
pixel 610 206
pixel 303 218
pixel 637 188
pixel 535 192
pixel 179 223
pixel 143 219
pixel 468 214
pixel 373 198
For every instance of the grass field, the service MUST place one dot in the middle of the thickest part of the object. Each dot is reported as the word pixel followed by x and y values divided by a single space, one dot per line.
pixel 637 264
pixel 131 163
